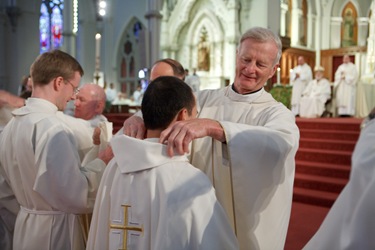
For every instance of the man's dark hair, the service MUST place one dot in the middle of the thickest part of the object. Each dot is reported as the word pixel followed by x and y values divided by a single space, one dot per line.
pixel 164 98
pixel 177 68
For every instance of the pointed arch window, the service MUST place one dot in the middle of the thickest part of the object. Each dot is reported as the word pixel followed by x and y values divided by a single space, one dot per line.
pixel 131 56
pixel 51 25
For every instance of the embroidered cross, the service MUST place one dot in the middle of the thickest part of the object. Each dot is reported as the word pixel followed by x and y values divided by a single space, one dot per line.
pixel 125 227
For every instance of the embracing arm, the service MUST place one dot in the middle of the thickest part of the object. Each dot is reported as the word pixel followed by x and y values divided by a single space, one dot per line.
pixel 179 135
pixel 9 99
pixel 134 126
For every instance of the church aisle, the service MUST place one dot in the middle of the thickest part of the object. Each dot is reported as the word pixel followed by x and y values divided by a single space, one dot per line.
pixel 304 222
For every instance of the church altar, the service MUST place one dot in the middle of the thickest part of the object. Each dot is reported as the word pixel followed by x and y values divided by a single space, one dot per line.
pixel 365 95
pixel 124 105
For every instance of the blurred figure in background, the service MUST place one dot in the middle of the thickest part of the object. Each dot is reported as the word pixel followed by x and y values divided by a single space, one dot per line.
pixel 346 78
pixel 315 95
pixel 300 76
pixel 111 94
pixel 193 81
pixel 90 104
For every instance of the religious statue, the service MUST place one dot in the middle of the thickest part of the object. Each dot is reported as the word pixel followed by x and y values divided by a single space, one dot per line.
pixel 348 33
pixel 203 52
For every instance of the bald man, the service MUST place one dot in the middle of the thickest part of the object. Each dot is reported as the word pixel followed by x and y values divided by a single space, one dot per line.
pixel 346 78
pixel 167 67
pixel 162 67
pixel 90 104
pixel 300 76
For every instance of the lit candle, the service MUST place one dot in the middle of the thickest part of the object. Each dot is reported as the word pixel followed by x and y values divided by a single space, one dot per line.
pixel 97 52
pixel 278 75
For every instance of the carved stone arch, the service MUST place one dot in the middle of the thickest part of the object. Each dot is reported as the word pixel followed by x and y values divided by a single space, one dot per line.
pixel 180 36
pixel 338 7
pixel 215 33
pixel 349 25
pixel 220 8
pixel 183 12
pixel 211 21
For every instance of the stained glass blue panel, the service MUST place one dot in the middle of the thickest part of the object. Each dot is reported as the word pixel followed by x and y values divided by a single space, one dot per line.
pixel 51 25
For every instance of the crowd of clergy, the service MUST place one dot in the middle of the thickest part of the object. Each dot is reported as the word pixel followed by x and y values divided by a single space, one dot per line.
pixel 212 169
pixel 310 96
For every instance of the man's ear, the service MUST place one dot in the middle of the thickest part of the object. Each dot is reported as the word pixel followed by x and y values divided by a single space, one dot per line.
pixel 182 115
pixel 58 83
pixel 274 70
pixel 99 107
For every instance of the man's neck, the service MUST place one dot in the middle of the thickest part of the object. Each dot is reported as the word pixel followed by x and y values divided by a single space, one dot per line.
pixel 252 92
pixel 153 133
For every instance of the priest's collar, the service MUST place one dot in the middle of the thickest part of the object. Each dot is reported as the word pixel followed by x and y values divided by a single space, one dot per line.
pixel 250 97
pixel 34 104
pixel 234 89
pixel 134 155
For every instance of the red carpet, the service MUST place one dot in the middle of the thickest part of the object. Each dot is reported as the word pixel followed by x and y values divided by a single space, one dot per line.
pixel 305 221
pixel 323 159
pixel 323 165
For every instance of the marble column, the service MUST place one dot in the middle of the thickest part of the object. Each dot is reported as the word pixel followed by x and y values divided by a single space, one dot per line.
pixel 3 77
pixel 153 17
pixel 336 32
pixel 283 19
pixel 370 66
pixel 296 26
pixel 363 23
pixel 69 45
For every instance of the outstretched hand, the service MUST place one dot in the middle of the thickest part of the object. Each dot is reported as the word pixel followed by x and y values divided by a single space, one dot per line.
pixel 178 136
pixel 106 155
pixel 134 127
pixel 96 136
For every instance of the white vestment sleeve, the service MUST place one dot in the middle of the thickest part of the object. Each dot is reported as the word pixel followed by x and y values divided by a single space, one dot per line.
pixel 351 76
pixel 61 180
pixel 267 153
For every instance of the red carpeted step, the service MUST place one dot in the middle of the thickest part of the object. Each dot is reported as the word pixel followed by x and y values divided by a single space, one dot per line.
pixel 305 220
pixel 324 156
pixel 327 144
pixel 330 134
pixel 314 197
pixel 345 124
pixel 320 183
pixel 323 169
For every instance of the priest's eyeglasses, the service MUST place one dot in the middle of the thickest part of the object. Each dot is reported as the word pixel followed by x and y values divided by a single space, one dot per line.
pixel 75 89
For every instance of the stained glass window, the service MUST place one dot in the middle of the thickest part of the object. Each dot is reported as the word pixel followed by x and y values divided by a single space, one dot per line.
pixel 51 25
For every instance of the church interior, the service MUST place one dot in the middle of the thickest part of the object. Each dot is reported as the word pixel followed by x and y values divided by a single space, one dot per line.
pixel 117 41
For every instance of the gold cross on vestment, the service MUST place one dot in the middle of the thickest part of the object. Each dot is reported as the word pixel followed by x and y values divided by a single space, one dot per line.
pixel 125 227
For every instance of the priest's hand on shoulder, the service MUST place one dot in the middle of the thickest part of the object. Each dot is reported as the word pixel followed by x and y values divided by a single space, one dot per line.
pixel 96 136
pixel 106 154
pixel 134 127
pixel 178 136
